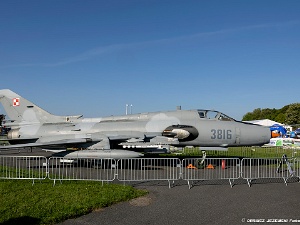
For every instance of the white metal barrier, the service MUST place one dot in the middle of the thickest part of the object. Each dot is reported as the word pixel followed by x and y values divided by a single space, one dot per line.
pixel 148 169
pixel 256 168
pixel 23 167
pixel 296 167
pixel 81 169
pixel 145 169
pixel 196 169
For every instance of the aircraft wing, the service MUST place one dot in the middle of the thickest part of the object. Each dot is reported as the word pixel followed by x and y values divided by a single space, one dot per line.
pixel 96 141
pixel 45 144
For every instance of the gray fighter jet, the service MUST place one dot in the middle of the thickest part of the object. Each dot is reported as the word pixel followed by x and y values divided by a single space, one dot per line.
pixel 124 136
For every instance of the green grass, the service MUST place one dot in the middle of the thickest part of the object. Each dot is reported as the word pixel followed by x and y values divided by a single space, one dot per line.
pixel 239 152
pixel 43 203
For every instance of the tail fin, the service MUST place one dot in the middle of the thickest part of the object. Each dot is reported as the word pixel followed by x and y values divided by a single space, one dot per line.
pixel 22 110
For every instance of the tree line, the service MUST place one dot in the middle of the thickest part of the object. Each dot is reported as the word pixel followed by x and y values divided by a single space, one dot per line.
pixel 289 114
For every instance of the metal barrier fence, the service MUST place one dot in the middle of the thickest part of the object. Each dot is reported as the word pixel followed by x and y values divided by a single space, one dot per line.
pixel 258 168
pixel 148 169
pixel 81 169
pixel 296 167
pixel 145 169
pixel 210 169
pixel 23 167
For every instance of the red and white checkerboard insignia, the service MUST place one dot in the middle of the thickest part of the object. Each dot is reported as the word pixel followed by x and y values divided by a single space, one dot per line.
pixel 16 101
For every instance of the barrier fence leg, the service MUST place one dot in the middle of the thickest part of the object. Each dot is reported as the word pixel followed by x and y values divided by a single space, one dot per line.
pixel 190 184
pixel 249 182
pixel 54 182
pixel 231 183
pixel 171 184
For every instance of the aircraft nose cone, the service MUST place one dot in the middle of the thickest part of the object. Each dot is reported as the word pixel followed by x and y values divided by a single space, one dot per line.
pixel 255 135
pixel 266 135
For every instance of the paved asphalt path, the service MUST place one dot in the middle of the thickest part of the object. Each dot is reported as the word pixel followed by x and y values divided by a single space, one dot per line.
pixel 203 204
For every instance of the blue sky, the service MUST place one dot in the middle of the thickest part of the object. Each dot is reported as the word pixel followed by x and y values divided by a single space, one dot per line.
pixel 94 57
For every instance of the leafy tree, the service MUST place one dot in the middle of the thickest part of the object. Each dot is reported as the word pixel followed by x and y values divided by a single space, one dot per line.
pixel 289 114
pixel 293 114
pixel 256 114
pixel 280 118
pixel 248 116
pixel 283 109
pixel 266 114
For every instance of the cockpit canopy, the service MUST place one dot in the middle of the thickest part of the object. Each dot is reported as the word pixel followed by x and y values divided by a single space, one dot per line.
pixel 213 115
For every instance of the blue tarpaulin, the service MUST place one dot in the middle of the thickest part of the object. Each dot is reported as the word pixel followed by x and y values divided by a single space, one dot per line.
pixel 279 128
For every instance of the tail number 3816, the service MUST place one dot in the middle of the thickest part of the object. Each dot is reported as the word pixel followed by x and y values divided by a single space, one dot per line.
pixel 221 134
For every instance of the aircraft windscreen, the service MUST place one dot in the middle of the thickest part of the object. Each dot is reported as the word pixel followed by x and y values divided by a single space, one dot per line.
pixel 212 114
pixel 215 115
pixel 223 117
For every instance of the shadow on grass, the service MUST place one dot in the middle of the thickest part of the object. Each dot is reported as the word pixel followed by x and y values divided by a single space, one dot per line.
pixel 24 220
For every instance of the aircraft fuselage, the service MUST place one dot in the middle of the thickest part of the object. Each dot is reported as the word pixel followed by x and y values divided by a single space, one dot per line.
pixel 197 128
